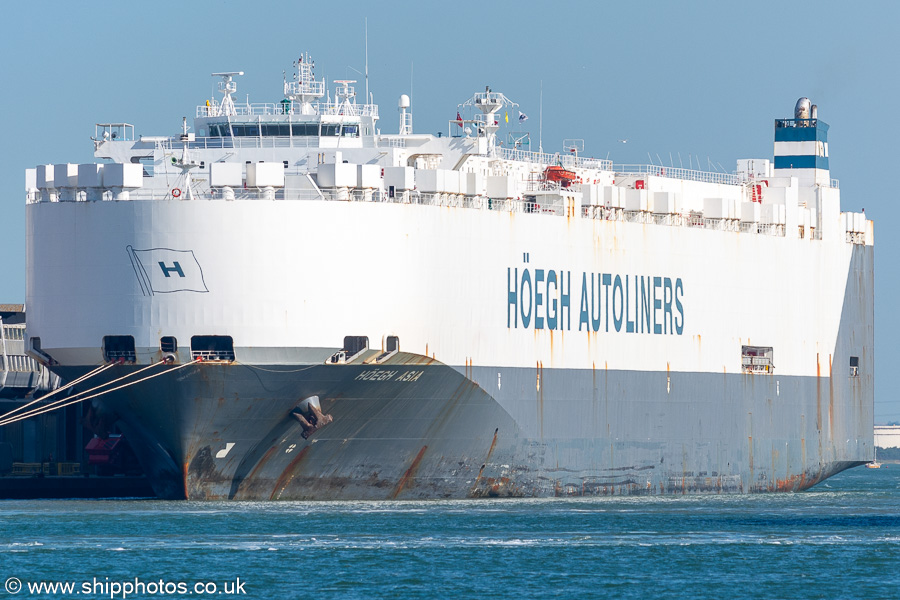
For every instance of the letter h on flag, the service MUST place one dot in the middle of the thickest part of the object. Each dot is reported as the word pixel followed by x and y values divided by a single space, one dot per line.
pixel 163 271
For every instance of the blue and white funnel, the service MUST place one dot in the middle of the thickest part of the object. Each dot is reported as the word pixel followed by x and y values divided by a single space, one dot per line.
pixel 801 146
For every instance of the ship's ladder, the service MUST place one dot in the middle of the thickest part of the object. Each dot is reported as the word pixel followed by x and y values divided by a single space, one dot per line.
pixel 11 416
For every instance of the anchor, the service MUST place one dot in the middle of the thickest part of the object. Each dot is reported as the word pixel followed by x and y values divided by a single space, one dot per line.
pixel 310 416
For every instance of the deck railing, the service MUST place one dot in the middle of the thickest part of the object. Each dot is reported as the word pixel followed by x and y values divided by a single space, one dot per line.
pixel 278 108
pixel 678 173
pixel 543 158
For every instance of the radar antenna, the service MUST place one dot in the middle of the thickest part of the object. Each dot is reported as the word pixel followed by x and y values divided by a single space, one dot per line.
pixel 227 86
pixel 574 146
pixel 345 93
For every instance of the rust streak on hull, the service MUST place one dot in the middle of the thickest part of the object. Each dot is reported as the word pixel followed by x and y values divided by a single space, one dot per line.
pixel 186 496
pixel 409 473
pixel 486 459
pixel 249 478
pixel 288 474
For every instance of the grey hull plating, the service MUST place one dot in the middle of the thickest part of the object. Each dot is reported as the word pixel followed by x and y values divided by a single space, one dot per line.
pixel 214 435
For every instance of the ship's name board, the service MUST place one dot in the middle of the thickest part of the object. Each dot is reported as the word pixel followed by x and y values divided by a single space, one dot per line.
pixel 545 299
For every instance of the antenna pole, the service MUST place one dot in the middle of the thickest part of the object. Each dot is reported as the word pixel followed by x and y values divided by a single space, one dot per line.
pixel 541 121
pixel 367 59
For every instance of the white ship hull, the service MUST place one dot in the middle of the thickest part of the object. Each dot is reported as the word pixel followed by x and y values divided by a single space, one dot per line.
pixel 661 405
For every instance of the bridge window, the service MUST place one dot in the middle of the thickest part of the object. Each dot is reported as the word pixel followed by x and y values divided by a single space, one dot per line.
pixel 276 129
pixel 854 366
pixel 219 130
pixel 246 130
pixel 305 129
pixel 146 162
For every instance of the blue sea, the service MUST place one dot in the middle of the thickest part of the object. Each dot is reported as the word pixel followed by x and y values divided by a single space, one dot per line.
pixel 839 540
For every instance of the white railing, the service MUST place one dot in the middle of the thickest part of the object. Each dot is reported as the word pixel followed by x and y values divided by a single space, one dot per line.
pixel 306 88
pixel 260 142
pixel 678 173
pixel 343 108
pixel 543 158
pixel 603 213
pixel 570 161
pixel 541 205
pixel 243 110
pixel 391 142
pixel 544 205
pixel 279 108
pixel 14 333
pixel 19 363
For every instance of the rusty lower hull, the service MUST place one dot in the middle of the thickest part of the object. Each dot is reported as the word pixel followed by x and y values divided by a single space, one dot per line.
pixel 428 430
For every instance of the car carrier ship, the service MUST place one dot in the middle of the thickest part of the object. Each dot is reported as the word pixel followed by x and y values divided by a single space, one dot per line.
pixel 283 302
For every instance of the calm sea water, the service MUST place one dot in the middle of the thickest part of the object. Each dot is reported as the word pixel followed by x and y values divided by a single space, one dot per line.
pixel 839 540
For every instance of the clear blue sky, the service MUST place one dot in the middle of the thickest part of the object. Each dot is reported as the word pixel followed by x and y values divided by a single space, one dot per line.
pixel 699 78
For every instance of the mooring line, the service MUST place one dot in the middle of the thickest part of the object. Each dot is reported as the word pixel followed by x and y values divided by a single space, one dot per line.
pixel 43 398
pixel 69 401
pixel 55 403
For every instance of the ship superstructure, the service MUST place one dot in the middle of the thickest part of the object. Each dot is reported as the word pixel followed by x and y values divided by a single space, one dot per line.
pixel 296 305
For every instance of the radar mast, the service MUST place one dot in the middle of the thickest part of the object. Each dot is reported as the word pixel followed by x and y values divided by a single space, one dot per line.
pixel 227 86
pixel 488 122
pixel 304 89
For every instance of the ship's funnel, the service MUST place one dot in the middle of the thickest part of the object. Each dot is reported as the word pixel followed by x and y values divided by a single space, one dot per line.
pixel 801 146
pixel 801 109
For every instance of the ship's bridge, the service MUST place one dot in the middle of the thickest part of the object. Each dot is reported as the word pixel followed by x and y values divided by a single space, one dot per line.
pixel 289 107
pixel 297 115
pixel 286 119
pixel 216 129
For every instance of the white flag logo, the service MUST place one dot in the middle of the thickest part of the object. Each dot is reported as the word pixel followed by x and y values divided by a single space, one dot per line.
pixel 164 270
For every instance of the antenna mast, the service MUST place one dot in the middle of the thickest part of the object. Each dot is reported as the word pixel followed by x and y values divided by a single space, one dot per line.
pixel 367 61
pixel 305 89
pixel 489 103
pixel 541 121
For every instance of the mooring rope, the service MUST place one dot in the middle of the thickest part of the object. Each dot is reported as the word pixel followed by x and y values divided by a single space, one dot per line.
pixel 78 398
pixel 56 403
pixel 43 398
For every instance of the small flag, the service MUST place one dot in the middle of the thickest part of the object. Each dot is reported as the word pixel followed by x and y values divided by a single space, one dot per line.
pixel 459 120
pixel 522 117
pixel 507 117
